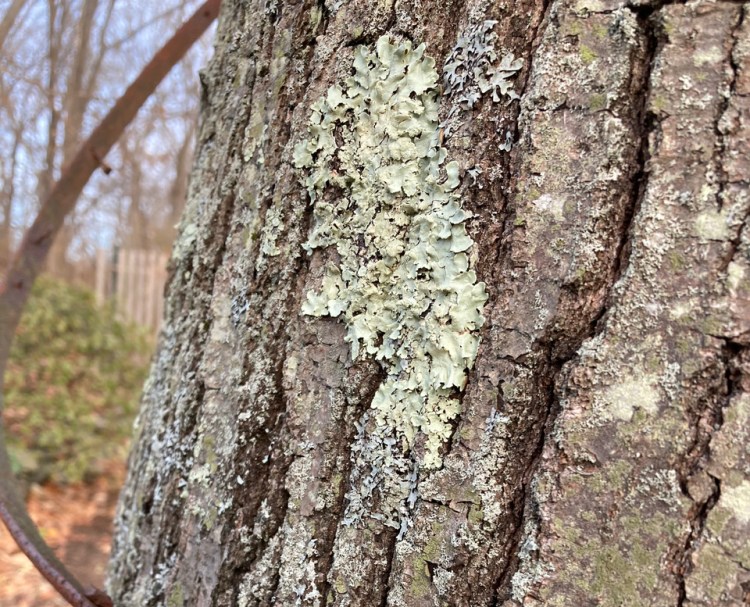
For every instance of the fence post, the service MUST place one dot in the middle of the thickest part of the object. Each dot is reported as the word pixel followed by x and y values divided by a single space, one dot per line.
pixel 101 276
pixel 135 278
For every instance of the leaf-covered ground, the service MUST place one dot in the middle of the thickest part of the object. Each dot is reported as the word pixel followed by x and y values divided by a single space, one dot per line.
pixel 76 520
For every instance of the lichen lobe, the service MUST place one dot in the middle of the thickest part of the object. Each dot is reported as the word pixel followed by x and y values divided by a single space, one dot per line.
pixel 386 200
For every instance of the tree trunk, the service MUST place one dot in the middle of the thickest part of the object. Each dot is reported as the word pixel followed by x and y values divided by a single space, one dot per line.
pixel 318 428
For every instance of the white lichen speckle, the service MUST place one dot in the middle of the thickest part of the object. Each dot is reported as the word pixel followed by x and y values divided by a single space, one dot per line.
pixel 630 394
pixel 737 501
pixel 385 200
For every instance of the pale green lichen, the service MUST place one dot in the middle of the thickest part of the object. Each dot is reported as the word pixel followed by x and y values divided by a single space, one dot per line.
pixel 712 225
pixel 737 500
pixel 176 596
pixel 630 394
pixel 185 240
pixel 386 201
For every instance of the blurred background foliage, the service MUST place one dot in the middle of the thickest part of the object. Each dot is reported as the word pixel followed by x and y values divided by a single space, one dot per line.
pixel 76 370
pixel 73 384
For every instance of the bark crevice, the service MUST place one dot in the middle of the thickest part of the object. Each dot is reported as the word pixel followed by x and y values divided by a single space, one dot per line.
pixel 556 361
pixel 705 425
pixel 709 420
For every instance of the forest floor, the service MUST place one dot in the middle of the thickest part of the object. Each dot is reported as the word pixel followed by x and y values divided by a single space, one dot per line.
pixel 76 521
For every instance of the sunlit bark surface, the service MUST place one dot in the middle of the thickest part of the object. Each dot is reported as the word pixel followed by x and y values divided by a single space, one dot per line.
pixel 600 455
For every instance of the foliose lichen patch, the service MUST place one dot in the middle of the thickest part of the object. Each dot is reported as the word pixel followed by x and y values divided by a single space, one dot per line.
pixel 472 70
pixel 386 200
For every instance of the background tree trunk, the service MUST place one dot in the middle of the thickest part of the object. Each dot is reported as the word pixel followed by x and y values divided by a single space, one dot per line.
pixel 600 456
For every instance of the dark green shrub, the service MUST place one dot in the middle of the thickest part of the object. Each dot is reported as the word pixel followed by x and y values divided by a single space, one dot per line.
pixel 72 385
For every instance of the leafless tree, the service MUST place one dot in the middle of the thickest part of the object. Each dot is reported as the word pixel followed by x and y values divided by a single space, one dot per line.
pixel 48 106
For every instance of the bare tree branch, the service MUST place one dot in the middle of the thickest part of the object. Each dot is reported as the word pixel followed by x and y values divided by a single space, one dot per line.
pixel 75 102
pixel 91 79
pixel 55 37
pixel 7 191
pixel 156 19
pixel 9 19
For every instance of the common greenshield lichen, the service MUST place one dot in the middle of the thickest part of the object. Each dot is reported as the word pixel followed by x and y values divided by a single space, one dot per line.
pixel 385 200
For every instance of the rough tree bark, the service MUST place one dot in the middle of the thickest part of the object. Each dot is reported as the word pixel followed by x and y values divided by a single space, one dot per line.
pixel 600 453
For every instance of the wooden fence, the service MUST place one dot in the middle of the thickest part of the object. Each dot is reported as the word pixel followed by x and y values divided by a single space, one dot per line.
pixel 134 279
